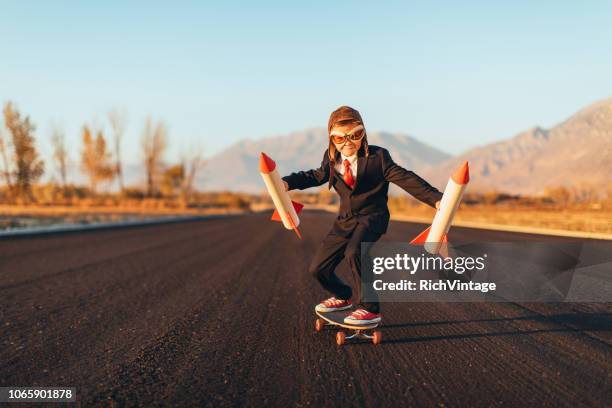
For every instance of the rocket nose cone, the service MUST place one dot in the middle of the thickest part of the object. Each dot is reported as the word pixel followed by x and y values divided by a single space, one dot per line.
pixel 462 174
pixel 266 164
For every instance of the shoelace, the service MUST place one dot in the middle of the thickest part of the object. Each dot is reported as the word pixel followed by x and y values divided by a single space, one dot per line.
pixel 332 301
pixel 359 313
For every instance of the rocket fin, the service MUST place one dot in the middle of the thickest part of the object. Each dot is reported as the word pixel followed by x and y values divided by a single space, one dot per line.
pixel 421 238
pixel 293 226
pixel 297 206
pixel 444 251
pixel 444 247
pixel 297 231
pixel 276 216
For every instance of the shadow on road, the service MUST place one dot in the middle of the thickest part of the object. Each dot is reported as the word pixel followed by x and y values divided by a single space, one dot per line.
pixel 578 321
pixel 478 335
pixel 574 323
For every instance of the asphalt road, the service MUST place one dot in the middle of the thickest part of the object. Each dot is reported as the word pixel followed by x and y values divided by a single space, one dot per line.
pixel 220 313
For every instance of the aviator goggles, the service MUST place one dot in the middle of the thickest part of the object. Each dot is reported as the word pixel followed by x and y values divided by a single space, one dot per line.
pixel 355 135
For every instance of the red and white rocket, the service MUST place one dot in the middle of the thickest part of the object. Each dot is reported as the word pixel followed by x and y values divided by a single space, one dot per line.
pixel 435 235
pixel 286 210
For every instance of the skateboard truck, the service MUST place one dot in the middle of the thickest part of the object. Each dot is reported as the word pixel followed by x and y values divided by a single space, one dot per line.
pixel 376 336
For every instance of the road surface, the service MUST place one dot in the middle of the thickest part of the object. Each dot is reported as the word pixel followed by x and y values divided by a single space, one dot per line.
pixel 219 313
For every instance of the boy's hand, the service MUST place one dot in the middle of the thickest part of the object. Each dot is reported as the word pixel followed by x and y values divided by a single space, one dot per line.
pixel 286 185
pixel 437 205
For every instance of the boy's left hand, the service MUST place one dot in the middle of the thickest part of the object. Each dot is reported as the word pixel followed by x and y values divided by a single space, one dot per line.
pixel 437 205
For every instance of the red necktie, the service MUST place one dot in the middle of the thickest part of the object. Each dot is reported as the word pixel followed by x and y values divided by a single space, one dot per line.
pixel 348 176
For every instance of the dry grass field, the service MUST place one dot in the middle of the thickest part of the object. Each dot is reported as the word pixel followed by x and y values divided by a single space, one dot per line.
pixel 586 217
pixel 595 220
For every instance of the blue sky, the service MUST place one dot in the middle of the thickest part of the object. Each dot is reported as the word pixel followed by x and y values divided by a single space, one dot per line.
pixel 453 74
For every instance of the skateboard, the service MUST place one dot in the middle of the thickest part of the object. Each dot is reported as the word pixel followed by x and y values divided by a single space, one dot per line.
pixel 337 319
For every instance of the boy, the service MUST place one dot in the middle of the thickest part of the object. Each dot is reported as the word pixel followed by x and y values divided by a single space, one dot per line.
pixel 360 174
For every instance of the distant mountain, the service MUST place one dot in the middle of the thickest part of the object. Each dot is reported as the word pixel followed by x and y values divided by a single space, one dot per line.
pixel 236 168
pixel 578 150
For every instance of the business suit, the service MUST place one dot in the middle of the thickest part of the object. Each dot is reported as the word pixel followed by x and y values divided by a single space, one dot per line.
pixel 363 215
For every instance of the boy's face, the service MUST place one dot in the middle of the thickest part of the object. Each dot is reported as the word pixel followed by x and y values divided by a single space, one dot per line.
pixel 350 147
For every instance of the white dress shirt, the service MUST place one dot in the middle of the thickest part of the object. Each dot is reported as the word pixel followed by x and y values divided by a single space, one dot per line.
pixel 353 160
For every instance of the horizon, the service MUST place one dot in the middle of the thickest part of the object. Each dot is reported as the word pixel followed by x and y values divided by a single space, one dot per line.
pixel 44 148
pixel 453 77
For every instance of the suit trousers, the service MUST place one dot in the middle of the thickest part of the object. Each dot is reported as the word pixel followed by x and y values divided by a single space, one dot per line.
pixel 331 252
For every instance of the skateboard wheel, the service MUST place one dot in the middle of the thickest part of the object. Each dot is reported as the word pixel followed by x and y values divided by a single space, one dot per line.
pixel 376 337
pixel 319 325
pixel 340 338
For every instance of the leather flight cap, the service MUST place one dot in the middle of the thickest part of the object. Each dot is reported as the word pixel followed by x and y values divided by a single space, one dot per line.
pixel 343 113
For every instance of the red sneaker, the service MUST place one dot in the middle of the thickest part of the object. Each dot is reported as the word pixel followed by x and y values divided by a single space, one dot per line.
pixel 333 305
pixel 362 317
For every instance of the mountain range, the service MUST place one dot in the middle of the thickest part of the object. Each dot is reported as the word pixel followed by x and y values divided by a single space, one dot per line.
pixel 236 168
pixel 578 150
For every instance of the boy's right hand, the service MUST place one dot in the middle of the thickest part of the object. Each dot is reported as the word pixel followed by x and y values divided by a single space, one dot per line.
pixel 286 185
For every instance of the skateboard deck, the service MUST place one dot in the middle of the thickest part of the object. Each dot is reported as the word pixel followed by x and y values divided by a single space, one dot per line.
pixel 337 319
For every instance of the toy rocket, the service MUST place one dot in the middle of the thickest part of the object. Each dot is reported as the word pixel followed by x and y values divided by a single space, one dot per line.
pixel 286 210
pixel 435 235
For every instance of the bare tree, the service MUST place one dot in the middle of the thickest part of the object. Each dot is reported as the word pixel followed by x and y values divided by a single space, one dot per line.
pixel 172 180
pixel 88 157
pixel 5 163
pixel 60 153
pixel 585 192
pixel 96 160
pixel 117 120
pixel 28 165
pixel 154 141
pixel 560 194
pixel 193 163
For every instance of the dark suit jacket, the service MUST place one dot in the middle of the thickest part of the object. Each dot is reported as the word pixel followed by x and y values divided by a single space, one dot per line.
pixel 366 204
